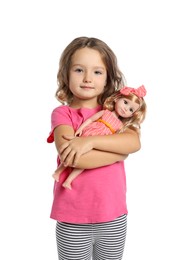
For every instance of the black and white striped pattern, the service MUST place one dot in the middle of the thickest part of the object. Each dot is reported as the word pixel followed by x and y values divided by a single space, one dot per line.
pixel 100 241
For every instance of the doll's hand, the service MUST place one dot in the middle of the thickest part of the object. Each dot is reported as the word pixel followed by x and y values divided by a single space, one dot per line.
pixel 71 151
pixel 78 132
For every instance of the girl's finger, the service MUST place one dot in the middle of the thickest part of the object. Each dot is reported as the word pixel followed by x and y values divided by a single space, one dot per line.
pixel 76 159
pixel 68 137
pixel 69 159
pixel 63 147
pixel 65 154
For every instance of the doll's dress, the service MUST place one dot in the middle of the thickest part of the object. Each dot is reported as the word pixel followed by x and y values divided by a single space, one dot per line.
pixel 106 125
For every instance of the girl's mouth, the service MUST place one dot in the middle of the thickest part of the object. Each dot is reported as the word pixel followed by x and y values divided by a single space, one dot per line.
pixel 87 87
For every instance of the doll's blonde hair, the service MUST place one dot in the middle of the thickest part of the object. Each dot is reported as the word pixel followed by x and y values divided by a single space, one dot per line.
pixel 138 116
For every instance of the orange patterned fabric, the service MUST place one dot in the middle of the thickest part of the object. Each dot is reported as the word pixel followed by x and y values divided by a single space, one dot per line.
pixel 106 125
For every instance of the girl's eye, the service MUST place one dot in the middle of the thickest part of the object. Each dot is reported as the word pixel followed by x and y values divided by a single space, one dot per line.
pixel 98 72
pixel 125 102
pixel 78 70
pixel 131 110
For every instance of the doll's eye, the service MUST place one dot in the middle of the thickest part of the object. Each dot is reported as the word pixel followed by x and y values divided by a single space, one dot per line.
pixel 125 102
pixel 131 110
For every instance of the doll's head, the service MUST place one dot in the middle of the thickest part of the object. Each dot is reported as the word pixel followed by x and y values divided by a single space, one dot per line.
pixel 127 96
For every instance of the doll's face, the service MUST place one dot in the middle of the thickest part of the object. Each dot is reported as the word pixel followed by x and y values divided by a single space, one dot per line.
pixel 125 107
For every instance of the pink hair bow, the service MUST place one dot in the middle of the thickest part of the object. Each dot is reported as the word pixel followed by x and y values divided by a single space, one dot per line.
pixel 139 92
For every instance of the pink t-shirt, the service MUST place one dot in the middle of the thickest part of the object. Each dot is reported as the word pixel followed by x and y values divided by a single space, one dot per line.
pixel 97 195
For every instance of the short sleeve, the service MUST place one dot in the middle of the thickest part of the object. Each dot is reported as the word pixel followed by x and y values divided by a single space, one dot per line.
pixel 59 116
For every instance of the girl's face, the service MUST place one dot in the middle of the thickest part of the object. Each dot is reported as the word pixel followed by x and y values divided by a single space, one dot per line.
pixel 87 77
pixel 125 107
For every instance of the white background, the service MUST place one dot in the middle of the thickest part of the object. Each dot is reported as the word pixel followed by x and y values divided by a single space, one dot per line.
pixel 33 35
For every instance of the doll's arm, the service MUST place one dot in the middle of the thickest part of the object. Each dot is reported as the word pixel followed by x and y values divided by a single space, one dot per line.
pixel 86 161
pixel 91 119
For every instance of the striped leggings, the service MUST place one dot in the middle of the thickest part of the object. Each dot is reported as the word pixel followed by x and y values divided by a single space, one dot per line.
pixel 100 241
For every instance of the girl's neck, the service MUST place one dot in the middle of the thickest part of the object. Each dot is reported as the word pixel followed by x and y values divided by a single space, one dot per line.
pixel 84 104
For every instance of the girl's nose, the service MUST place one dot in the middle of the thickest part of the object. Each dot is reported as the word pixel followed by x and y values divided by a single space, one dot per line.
pixel 87 77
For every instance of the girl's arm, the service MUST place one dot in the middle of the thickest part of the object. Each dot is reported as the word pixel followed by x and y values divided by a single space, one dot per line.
pixel 95 159
pixel 120 143
pixel 91 119
pixel 124 143
pixel 101 158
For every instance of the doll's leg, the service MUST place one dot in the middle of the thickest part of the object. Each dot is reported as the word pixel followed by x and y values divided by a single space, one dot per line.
pixel 58 171
pixel 75 172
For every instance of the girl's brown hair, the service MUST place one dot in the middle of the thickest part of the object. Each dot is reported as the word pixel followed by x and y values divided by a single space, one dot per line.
pixel 115 78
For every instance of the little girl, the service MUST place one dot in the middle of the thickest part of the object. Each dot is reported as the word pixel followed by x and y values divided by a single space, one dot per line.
pixel 125 108
pixel 91 219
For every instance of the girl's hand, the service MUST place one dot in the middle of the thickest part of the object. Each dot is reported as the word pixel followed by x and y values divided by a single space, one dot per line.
pixel 71 150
